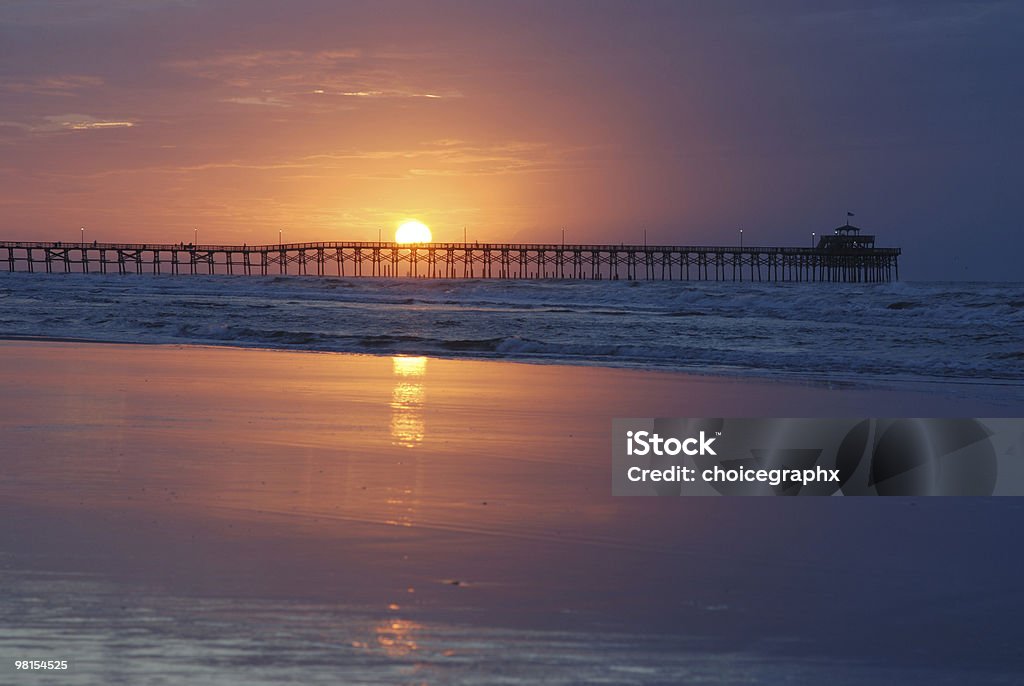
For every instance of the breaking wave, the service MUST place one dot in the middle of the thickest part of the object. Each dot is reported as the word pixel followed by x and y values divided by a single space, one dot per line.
pixel 914 331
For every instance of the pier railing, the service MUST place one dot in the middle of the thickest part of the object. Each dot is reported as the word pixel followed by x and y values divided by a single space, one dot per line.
pixel 463 260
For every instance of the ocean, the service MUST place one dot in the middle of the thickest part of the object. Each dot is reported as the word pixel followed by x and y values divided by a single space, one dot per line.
pixel 870 333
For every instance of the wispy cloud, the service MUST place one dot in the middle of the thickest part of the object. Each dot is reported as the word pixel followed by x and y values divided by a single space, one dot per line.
pixel 63 85
pixel 260 101
pixel 287 77
pixel 265 67
pixel 394 94
pixel 83 122
pixel 57 123
pixel 263 59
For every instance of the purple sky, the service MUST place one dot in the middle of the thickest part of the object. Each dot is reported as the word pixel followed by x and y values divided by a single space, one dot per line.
pixel 141 119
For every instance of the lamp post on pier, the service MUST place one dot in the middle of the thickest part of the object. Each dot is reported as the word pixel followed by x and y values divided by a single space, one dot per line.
pixel 741 239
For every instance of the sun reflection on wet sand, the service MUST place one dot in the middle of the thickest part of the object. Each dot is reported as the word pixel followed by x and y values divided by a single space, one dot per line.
pixel 408 398
pixel 408 429
pixel 397 637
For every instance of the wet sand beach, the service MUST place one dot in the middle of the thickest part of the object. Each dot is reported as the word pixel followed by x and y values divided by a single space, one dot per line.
pixel 248 516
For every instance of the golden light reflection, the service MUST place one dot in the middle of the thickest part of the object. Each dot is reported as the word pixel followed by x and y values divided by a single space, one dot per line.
pixel 397 638
pixel 409 366
pixel 407 401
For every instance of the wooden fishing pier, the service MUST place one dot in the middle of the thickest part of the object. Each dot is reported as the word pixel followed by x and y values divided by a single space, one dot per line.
pixel 844 256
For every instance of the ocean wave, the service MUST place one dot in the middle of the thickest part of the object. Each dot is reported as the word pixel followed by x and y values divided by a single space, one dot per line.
pixel 899 330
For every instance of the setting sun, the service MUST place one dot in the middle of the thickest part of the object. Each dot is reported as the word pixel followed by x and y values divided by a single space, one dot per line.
pixel 413 232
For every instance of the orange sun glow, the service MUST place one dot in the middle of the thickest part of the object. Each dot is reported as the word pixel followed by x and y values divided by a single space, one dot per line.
pixel 413 231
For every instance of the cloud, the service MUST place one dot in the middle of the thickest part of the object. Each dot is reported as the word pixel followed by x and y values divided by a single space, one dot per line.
pixel 57 123
pixel 395 94
pixel 64 85
pixel 262 59
pixel 391 94
pixel 286 77
pixel 82 122
pixel 259 101
pixel 268 67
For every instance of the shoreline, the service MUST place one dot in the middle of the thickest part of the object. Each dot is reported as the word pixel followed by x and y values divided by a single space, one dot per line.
pixel 866 384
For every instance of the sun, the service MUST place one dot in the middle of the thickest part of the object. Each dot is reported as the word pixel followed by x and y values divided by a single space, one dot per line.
pixel 413 231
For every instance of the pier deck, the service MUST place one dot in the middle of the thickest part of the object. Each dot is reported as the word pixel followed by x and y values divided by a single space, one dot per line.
pixel 825 263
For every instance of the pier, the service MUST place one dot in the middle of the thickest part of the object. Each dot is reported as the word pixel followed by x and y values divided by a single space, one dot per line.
pixel 844 256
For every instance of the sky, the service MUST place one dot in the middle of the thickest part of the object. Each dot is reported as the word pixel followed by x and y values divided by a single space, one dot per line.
pixel 326 120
